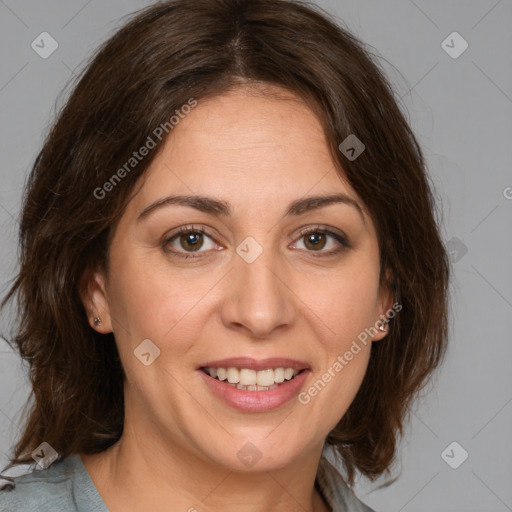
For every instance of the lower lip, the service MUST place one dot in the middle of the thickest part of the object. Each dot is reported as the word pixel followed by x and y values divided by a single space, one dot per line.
pixel 256 401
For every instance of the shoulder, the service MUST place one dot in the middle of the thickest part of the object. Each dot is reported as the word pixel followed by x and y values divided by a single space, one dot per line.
pixel 335 490
pixel 58 488
pixel 38 490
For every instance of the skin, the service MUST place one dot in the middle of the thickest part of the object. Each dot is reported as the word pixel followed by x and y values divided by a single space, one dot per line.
pixel 180 441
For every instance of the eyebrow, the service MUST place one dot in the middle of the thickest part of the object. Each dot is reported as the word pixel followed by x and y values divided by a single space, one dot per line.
pixel 221 208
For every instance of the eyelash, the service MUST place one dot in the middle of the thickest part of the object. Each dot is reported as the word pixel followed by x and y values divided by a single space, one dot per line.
pixel 342 240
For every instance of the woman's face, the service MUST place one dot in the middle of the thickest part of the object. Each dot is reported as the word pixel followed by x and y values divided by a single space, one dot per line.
pixel 245 282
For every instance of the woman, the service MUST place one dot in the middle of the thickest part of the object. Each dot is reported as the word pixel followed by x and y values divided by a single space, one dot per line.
pixel 230 263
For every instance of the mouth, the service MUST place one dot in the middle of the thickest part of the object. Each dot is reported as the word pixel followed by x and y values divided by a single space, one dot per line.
pixel 247 379
pixel 251 385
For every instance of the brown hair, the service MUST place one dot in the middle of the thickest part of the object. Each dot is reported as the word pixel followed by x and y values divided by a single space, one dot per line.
pixel 168 53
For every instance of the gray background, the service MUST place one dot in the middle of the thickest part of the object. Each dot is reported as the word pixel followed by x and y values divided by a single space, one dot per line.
pixel 461 110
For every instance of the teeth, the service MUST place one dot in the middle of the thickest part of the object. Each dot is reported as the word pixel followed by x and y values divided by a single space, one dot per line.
pixel 288 373
pixel 249 379
pixel 279 375
pixel 254 388
pixel 265 378
pixel 233 376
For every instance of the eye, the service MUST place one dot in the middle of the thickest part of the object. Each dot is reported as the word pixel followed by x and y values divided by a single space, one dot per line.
pixel 317 238
pixel 188 239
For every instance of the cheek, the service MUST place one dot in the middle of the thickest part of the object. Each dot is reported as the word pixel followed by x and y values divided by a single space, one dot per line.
pixel 349 306
pixel 337 388
pixel 343 303
pixel 150 301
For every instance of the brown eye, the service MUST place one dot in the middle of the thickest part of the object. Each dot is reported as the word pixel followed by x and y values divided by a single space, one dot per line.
pixel 191 241
pixel 315 240
pixel 188 240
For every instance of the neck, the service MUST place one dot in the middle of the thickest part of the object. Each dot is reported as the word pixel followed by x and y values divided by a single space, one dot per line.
pixel 191 484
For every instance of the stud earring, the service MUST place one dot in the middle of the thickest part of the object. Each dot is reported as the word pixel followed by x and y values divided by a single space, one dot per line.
pixel 382 326
pixel 97 321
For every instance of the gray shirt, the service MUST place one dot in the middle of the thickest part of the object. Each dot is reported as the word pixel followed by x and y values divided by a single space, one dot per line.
pixel 65 486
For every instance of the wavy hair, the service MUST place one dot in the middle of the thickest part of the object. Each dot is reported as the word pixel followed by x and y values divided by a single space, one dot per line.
pixel 150 67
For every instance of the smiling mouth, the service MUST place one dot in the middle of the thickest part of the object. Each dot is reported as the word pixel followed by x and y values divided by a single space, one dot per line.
pixel 247 379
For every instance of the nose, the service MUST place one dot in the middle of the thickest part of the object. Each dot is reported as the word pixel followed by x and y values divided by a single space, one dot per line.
pixel 259 300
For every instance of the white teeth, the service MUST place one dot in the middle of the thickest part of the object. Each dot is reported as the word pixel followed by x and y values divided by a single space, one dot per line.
pixel 233 376
pixel 265 378
pixel 279 375
pixel 288 373
pixel 246 377
pixel 254 388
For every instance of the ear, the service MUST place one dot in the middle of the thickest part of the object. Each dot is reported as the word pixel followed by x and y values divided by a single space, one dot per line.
pixel 95 300
pixel 385 306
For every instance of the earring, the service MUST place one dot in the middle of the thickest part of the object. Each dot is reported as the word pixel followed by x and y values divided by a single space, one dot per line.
pixel 97 321
pixel 382 326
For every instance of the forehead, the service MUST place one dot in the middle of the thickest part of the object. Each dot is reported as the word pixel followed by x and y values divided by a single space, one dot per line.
pixel 248 147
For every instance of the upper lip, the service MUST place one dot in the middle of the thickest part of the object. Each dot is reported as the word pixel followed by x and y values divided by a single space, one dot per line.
pixel 256 364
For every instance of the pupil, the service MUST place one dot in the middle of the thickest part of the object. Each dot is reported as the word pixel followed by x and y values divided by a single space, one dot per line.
pixel 313 239
pixel 191 239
